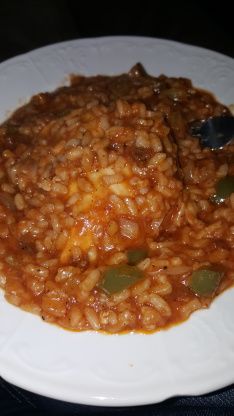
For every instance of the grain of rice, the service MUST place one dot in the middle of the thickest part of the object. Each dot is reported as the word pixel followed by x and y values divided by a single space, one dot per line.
pixel 120 297
pixel 162 286
pixel 150 318
pixel 118 258
pixel 92 254
pixel 90 280
pixel 59 188
pixel 144 264
pixel 75 316
pixel 74 153
pixel 157 302
pixel 85 185
pixel 2 279
pixel 92 318
pixel 7 188
pixel 190 307
pixel 128 228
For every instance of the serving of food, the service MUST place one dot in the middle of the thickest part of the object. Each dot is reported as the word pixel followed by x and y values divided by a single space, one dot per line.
pixel 112 216
pixel 116 218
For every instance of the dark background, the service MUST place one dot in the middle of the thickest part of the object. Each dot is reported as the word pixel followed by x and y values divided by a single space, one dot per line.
pixel 26 25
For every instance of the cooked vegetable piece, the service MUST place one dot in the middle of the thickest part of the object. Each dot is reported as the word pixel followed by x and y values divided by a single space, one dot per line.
pixel 204 282
pixel 135 255
pixel 224 188
pixel 117 278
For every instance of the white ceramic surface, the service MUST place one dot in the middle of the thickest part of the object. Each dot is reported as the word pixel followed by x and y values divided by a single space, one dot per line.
pixel 192 358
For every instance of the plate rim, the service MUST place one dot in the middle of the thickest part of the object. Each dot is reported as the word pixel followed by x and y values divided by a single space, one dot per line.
pixel 111 39
pixel 113 401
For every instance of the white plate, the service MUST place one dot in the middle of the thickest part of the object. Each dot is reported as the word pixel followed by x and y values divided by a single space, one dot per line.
pixel 193 358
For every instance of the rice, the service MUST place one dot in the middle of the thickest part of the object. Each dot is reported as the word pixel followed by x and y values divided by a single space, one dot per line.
pixel 103 177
